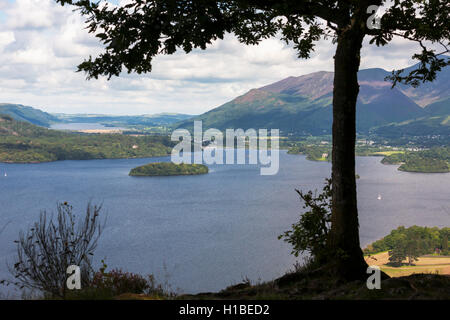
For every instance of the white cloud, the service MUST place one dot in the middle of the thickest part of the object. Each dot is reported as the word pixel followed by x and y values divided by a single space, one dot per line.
pixel 32 14
pixel 5 39
pixel 41 43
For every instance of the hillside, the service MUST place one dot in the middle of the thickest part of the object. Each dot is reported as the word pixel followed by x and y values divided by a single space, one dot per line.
pixel 439 108
pixel 303 105
pixel 429 125
pixel 22 142
pixel 28 114
pixel 44 119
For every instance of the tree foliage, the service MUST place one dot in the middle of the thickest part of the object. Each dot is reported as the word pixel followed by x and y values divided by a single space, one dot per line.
pixel 410 243
pixel 431 160
pixel 135 33
pixel 169 169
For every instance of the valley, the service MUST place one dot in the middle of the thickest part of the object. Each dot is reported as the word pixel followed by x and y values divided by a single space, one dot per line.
pixel 388 119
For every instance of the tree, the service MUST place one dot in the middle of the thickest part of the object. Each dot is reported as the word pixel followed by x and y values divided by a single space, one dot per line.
pixel 398 253
pixel 46 251
pixel 444 245
pixel 410 245
pixel 136 32
pixel 414 246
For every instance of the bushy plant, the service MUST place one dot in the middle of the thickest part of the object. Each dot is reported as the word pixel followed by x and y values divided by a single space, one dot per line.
pixel 118 282
pixel 310 233
pixel 114 283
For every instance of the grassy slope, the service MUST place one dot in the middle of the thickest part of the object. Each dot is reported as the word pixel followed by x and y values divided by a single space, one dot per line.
pixel 303 287
pixel 429 125
pixel 28 114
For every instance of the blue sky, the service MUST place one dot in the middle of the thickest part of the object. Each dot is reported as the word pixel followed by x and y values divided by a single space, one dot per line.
pixel 41 43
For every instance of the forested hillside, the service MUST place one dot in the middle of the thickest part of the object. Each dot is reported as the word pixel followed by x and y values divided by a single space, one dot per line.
pixel 22 142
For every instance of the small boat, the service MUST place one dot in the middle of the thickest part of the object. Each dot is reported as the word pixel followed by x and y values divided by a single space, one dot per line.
pixel 379 197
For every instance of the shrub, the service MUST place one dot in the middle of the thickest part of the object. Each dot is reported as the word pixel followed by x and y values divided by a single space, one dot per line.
pixel 111 284
pixel 310 233
pixel 46 251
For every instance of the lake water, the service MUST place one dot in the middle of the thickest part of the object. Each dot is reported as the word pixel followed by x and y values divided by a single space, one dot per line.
pixel 209 231
pixel 82 126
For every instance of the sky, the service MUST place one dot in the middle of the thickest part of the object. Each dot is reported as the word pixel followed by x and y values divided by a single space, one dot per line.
pixel 41 44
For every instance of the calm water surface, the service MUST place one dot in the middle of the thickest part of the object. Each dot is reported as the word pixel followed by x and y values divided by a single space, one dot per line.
pixel 207 232
pixel 82 126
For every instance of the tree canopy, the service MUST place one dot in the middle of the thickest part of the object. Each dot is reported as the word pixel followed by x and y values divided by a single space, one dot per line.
pixel 136 32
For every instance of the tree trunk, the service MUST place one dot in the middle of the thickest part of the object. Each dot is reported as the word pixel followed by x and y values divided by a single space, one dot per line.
pixel 344 235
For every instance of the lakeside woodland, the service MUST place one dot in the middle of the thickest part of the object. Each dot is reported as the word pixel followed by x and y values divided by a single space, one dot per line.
pixel 22 142
pixel 433 160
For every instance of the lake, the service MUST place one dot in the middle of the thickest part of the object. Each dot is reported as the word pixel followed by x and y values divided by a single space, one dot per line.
pixel 210 231
pixel 75 126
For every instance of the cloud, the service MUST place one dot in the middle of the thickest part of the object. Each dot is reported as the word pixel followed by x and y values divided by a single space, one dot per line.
pixel 6 38
pixel 41 43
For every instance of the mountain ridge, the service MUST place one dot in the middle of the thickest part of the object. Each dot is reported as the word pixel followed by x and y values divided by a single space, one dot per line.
pixel 303 104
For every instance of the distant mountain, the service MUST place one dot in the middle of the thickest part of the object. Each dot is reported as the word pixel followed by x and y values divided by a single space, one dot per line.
pixel 429 92
pixel 28 114
pixel 439 108
pixel 44 119
pixel 303 105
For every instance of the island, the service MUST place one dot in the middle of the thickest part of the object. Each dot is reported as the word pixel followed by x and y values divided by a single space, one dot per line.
pixel 168 169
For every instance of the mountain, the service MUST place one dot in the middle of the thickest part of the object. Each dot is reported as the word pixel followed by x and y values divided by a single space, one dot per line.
pixel 429 92
pixel 303 105
pixel 439 108
pixel 44 119
pixel 28 114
